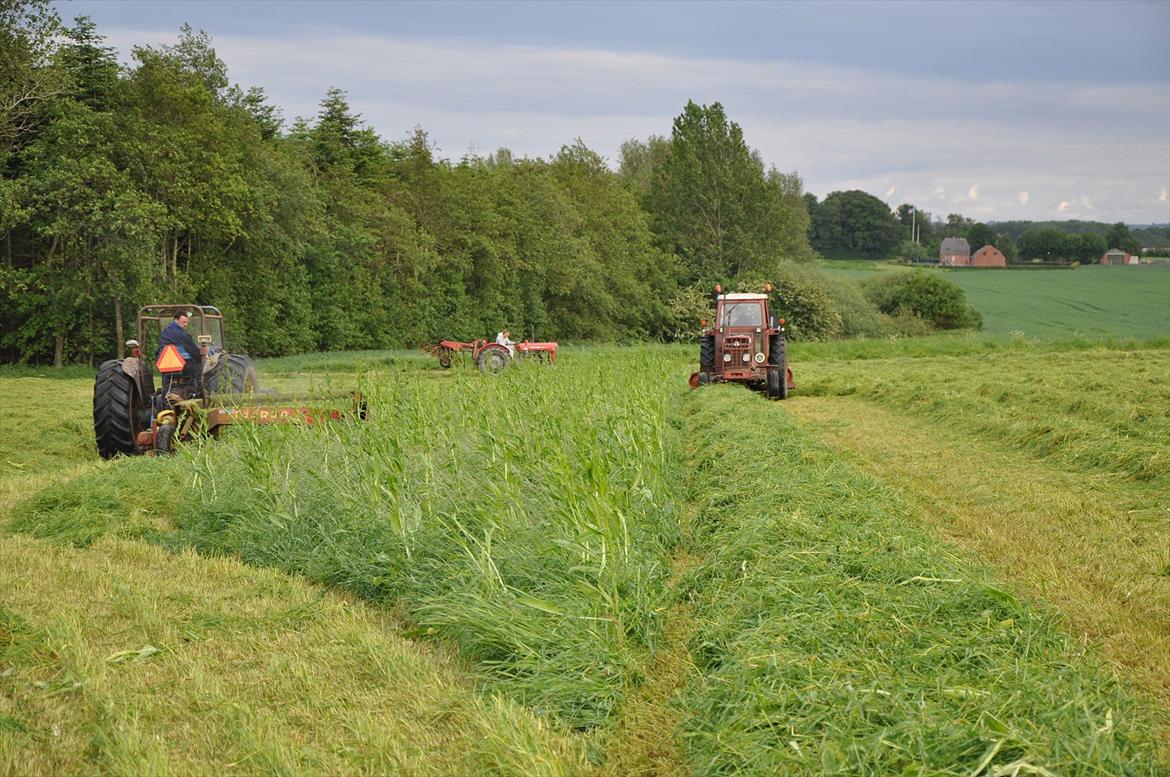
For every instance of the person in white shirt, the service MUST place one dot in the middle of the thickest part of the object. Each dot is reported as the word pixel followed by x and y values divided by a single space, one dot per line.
pixel 503 339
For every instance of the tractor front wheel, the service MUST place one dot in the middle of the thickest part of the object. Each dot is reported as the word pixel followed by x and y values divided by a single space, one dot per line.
pixel 777 386
pixel 119 414
pixel 164 438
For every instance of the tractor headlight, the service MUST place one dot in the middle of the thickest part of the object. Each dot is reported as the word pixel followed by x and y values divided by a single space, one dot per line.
pixel 726 357
pixel 760 357
pixel 746 357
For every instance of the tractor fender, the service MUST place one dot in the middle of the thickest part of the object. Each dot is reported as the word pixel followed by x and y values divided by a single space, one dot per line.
pixel 139 371
pixel 132 366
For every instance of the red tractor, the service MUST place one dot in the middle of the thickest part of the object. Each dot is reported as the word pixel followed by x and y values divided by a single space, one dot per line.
pixel 745 344
pixel 131 416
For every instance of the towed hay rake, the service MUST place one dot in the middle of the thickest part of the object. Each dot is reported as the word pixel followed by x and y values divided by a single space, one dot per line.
pixel 489 356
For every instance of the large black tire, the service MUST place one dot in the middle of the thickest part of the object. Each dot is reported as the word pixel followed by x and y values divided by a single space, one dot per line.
pixel 777 366
pixel 119 414
pixel 707 353
pixel 493 359
pixel 778 351
pixel 777 384
pixel 236 374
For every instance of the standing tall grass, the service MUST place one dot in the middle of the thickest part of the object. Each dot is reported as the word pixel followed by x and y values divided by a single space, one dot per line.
pixel 527 517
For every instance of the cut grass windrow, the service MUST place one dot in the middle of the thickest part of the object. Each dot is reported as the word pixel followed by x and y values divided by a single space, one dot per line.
pixel 1097 411
pixel 526 518
pixel 1060 535
pixel 837 636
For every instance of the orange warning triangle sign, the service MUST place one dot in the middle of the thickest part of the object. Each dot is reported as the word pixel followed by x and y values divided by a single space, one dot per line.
pixel 170 360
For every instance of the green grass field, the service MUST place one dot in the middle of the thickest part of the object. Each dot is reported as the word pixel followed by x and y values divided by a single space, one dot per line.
pixel 1088 302
pixel 940 556
pixel 545 549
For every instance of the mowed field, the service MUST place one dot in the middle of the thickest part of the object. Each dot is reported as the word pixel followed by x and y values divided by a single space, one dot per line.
pixel 948 556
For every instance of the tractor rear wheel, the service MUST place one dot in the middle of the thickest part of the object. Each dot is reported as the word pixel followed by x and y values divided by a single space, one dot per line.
pixel 707 353
pixel 119 414
pixel 493 359
pixel 778 351
pixel 236 374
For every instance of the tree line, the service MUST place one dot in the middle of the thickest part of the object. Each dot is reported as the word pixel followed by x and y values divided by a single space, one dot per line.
pixel 161 181
pixel 858 225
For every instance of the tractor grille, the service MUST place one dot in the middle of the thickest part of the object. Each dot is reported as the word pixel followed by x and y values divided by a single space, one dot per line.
pixel 737 346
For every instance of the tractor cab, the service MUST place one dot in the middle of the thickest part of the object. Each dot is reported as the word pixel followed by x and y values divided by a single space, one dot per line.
pixel 742 310
pixel 205 326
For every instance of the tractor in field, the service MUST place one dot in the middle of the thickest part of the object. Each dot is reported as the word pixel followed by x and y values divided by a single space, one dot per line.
pixel 745 344
pixel 131 416
pixel 488 356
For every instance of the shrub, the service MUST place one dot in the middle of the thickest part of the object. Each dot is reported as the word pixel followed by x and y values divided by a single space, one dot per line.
pixel 927 295
pixel 859 316
pixel 800 296
pixel 687 307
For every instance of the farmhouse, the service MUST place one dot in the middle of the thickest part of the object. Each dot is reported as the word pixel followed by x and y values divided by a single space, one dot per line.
pixel 988 256
pixel 954 252
pixel 1117 256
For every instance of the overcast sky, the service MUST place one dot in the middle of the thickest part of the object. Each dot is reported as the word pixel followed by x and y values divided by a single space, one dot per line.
pixel 996 110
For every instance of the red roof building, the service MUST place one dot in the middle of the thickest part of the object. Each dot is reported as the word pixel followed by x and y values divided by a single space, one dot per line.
pixel 954 252
pixel 988 256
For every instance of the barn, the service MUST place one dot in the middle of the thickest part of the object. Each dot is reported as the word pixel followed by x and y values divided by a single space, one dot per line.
pixel 954 252
pixel 1117 256
pixel 988 256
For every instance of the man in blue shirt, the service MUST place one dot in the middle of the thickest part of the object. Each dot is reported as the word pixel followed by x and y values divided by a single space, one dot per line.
pixel 176 334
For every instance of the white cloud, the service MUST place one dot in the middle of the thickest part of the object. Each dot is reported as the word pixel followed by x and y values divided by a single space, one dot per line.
pixel 835 126
pixel 1063 206
pixel 1163 194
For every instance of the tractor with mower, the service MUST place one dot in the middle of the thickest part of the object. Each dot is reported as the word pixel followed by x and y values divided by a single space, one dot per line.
pixel 488 356
pixel 131 416
pixel 745 344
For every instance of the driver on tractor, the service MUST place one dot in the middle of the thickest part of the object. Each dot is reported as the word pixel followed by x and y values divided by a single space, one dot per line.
pixel 176 334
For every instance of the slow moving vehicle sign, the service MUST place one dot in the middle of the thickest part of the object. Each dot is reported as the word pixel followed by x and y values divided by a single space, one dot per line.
pixel 170 360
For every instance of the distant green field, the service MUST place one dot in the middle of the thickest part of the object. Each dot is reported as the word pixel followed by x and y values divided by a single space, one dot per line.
pixel 1120 302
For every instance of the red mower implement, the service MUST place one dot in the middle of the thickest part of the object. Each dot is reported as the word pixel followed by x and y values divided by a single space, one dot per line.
pixel 131 416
